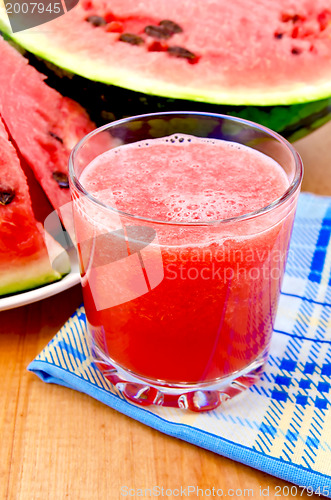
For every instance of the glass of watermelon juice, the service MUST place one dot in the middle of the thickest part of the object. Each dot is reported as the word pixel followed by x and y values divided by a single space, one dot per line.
pixel 183 222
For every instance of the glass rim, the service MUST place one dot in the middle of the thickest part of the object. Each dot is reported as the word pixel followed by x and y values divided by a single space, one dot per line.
pixel 287 194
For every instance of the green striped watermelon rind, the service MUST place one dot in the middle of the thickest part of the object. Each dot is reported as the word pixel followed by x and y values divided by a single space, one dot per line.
pixel 106 103
pixel 29 277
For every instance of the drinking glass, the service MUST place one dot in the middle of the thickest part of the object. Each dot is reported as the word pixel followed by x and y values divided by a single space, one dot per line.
pixel 181 313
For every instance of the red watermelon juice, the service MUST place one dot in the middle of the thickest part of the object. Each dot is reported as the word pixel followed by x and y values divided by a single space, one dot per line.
pixel 210 314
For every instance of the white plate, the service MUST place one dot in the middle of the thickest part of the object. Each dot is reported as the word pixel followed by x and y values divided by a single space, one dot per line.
pixel 24 298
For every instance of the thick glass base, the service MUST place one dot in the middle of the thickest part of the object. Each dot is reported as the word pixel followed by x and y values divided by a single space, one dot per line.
pixel 204 396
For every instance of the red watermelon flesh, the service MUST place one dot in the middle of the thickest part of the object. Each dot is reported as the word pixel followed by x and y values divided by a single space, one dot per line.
pixel 41 205
pixel 24 260
pixel 43 124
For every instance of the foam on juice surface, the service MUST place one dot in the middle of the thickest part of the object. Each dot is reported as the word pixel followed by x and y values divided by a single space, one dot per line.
pixel 182 178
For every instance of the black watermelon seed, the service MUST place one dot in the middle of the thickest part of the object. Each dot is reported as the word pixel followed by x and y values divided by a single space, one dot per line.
pixel 158 32
pixel 171 26
pixel 295 51
pixel 52 134
pixel 62 179
pixel 6 196
pixel 131 38
pixel 181 52
pixel 278 35
pixel 96 20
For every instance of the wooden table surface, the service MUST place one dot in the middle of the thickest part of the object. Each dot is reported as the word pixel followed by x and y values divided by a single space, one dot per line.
pixel 59 444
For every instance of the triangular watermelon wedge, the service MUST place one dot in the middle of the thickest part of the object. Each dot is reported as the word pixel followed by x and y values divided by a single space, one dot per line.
pixel 24 259
pixel 42 123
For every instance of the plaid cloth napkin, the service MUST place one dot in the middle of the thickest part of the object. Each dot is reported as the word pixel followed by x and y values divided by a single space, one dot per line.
pixel 282 425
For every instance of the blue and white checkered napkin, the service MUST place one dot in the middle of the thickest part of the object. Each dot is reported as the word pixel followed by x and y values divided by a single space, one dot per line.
pixel 282 425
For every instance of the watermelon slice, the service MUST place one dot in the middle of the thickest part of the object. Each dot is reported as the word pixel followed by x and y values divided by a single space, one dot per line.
pixel 239 52
pixel 43 124
pixel 24 259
